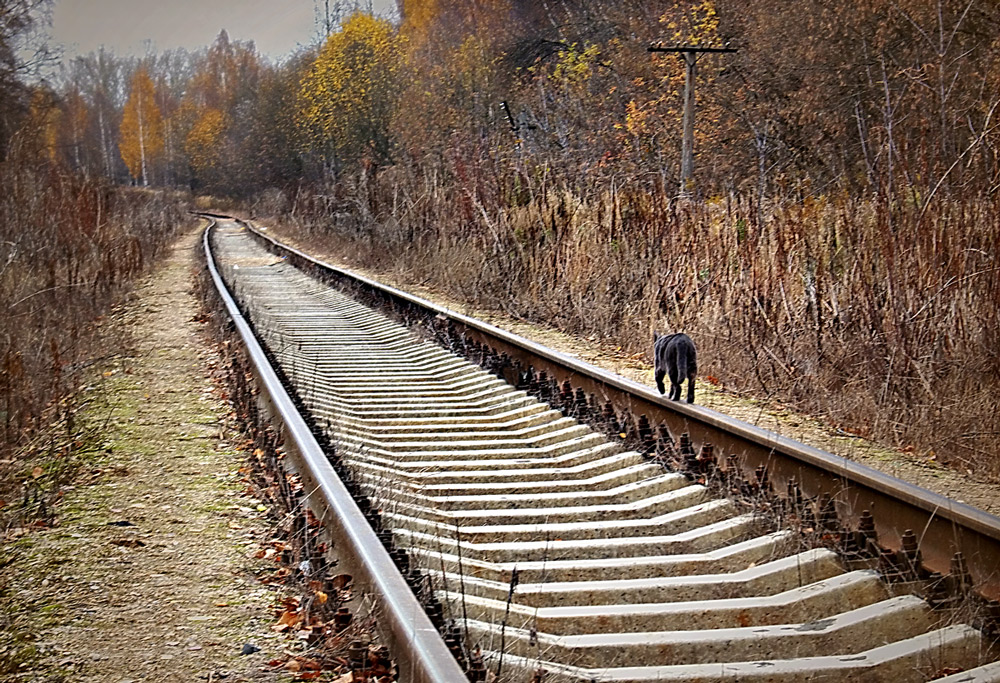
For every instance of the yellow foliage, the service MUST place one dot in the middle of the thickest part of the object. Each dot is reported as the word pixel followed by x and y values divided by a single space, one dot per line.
pixel 347 98
pixel 141 140
pixel 43 121
pixel 697 25
pixel 575 66
pixel 204 139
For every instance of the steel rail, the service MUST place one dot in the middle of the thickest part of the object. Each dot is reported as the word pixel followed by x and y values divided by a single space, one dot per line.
pixel 418 648
pixel 943 526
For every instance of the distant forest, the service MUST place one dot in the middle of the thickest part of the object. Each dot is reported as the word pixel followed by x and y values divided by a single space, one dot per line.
pixel 881 98
pixel 837 248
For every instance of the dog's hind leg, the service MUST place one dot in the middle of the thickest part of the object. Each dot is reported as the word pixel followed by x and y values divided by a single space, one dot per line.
pixel 675 388
pixel 675 379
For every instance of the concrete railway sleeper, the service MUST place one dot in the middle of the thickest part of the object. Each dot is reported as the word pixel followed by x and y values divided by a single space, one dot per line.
pixel 544 545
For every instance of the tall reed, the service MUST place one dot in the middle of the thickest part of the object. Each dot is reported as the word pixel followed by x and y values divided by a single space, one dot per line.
pixel 68 247
pixel 882 318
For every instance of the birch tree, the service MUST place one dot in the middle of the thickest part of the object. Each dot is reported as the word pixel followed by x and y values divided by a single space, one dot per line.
pixel 141 140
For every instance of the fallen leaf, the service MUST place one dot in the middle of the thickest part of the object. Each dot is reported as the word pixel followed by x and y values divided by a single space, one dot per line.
pixel 340 581
pixel 311 664
pixel 37 472
pixel 287 620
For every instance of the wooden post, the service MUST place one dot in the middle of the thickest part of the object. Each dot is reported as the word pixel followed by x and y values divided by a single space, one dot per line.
pixel 689 53
pixel 687 142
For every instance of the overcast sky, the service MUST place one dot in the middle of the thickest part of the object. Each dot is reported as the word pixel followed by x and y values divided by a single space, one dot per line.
pixel 278 27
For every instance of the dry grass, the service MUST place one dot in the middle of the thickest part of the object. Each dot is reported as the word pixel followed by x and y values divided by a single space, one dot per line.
pixel 69 246
pixel 880 318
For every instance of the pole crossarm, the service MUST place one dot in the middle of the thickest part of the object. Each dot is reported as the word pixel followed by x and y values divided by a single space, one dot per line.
pixel 660 47
pixel 690 55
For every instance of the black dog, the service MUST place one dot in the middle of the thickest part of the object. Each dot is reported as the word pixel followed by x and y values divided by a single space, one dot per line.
pixel 675 356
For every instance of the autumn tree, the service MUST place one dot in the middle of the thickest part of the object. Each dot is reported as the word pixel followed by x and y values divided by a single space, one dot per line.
pixel 19 60
pixel 101 79
pixel 272 147
pixel 348 97
pixel 142 127
pixel 215 116
pixel 37 137
pixel 171 72
pixel 204 142
pixel 227 73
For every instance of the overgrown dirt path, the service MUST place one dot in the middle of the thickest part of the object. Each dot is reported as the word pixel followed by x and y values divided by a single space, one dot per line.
pixel 149 573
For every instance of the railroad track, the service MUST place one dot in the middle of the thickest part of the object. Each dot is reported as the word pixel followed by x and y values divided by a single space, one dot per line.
pixel 553 518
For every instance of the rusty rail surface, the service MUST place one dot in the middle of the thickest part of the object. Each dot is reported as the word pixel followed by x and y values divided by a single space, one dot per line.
pixel 912 528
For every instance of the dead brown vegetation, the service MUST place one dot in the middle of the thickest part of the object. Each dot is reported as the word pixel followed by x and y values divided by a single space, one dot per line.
pixel 836 249
pixel 69 246
pixel 882 319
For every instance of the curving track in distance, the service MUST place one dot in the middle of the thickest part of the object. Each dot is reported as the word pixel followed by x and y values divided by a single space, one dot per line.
pixel 553 518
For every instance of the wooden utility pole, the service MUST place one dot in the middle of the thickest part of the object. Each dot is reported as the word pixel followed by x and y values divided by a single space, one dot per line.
pixel 689 53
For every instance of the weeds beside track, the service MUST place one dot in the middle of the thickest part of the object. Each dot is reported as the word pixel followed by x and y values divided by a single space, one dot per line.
pixel 878 318
pixel 69 248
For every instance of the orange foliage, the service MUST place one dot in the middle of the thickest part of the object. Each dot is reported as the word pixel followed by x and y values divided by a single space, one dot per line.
pixel 142 127
pixel 204 140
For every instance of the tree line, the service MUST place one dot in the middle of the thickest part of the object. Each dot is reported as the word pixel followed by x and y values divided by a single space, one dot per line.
pixel 893 98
